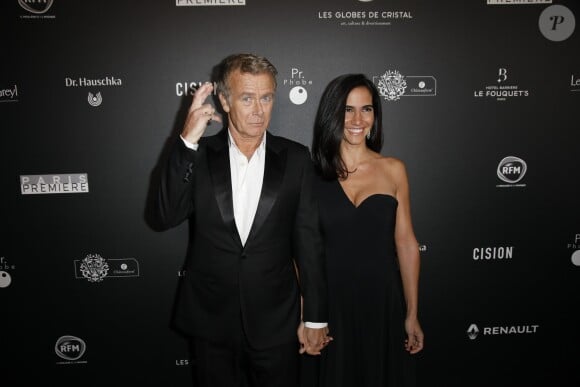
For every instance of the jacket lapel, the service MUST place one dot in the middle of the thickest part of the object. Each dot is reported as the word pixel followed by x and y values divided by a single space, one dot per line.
pixel 274 168
pixel 218 159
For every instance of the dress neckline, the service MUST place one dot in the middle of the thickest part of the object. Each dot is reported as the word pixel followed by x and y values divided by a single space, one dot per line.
pixel 349 200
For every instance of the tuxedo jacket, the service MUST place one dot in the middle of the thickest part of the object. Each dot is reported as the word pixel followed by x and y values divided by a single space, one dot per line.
pixel 227 285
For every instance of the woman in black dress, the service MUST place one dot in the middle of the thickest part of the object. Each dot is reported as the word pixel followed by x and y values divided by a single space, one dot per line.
pixel 371 250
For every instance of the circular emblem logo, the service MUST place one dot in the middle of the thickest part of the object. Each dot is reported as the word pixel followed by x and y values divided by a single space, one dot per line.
pixel 511 169
pixel 557 23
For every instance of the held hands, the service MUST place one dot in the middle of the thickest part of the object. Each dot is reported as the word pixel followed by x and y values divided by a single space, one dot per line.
pixel 312 341
pixel 415 337
pixel 200 114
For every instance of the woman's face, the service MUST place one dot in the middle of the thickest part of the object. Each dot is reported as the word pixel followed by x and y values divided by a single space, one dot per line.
pixel 359 115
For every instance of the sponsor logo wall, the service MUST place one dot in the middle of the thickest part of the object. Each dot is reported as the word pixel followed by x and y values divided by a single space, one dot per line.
pixel 480 101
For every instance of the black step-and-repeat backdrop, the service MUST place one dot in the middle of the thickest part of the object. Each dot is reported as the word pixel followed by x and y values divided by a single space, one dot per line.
pixel 481 100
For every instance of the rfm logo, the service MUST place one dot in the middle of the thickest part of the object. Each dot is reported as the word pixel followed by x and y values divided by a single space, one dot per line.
pixel 511 169
pixel 70 347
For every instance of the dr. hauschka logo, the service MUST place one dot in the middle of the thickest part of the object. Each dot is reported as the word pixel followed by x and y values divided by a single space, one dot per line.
pixel 53 184
pixel 9 94
pixel 392 85
pixel 297 82
pixel 94 268
pixel 94 98
pixel 501 91
pixel 5 276
pixel 511 170
pixel 575 246
pixel 208 3
pixel 70 349
pixel 473 332
pixel 557 23
pixel 574 83
pixel 36 9
pixel 493 253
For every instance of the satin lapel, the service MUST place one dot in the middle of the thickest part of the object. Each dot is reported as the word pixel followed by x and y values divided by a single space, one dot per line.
pixel 274 169
pixel 218 160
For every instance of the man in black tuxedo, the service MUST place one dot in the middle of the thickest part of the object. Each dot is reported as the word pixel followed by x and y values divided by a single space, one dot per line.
pixel 255 251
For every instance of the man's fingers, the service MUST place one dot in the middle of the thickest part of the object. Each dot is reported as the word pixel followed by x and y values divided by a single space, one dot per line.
pixel 201 95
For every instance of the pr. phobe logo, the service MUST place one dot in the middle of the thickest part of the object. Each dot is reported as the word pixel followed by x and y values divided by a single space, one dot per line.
pixel 511 169
pixel 575 258
pixel 70 348
pixel 298 94
pixel 5 277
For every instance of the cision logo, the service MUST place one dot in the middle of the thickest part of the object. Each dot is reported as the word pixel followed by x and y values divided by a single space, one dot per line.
pixel 54 184
pixel 557 23
pixel 208 3
pixel 474 331
pixel 501 91
pixel 511 170
pixel 71 349
pixel 36 9
pixel 188 88
pixel 94 98
pixel 493 253
pixel 392 85
pixel 298 83
pixel 5 269
pixel 9 94
pixel 94 268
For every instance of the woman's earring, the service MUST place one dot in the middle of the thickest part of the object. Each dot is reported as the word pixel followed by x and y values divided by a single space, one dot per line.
pixel 369 135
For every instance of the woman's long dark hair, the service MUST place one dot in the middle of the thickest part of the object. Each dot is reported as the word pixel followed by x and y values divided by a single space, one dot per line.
pixel 329 125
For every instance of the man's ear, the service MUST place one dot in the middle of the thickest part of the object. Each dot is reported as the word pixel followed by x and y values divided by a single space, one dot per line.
pixel 224 102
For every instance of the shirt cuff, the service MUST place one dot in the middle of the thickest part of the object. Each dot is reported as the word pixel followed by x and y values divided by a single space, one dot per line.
pixel 315 325
pixel 189 144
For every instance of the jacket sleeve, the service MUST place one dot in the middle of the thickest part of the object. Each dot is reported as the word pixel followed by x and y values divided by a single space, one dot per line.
pixel 175 199
pixel 309 249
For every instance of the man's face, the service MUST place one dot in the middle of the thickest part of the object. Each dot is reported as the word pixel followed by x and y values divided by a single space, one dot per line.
pixel 249 105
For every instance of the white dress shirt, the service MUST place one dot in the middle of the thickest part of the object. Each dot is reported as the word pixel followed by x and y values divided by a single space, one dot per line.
pixel 247 177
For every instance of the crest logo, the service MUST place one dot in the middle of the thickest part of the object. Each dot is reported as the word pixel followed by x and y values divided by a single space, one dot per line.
pixel 95 100
pixel 391 85
pixel 472 332
pixel 94 268
pixel 511 169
